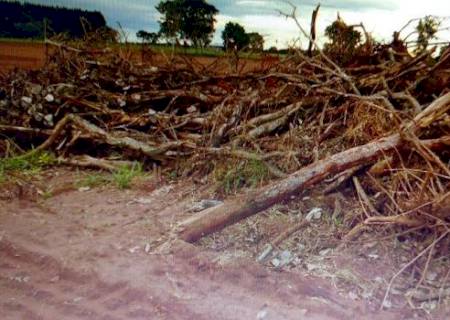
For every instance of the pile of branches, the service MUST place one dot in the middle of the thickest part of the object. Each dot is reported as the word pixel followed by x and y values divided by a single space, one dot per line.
pixel 95 107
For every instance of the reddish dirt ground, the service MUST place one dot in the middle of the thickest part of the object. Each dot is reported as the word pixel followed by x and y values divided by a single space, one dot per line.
pixel 28 56
pixel 21 55
pixel 105 254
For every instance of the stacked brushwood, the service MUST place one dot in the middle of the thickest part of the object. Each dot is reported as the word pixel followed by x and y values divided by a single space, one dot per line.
pixel 304 120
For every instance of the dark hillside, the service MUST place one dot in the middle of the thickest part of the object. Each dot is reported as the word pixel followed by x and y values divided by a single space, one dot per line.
pixel 24 20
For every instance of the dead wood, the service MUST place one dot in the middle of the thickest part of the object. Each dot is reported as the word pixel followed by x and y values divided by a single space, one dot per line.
pixel 280 238
pixel 91 104
pixel 313 29
pixel 242 207
pixel 99 134
pixel 30 131
pixel 91 162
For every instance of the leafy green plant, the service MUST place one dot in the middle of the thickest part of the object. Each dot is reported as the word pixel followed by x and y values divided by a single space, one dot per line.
pixel 126 174
pixel 426 30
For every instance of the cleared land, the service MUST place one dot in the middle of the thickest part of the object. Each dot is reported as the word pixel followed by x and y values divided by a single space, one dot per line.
pixel 321 243
pixel 28 55
pixel 31 55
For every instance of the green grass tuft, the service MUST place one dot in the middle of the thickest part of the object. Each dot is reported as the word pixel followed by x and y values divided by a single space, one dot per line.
pixel 28 164
pixel 246 174
pixel 125 175
pixel 92 181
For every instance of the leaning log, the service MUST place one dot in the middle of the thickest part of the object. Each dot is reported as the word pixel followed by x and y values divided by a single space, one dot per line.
pixel 234 210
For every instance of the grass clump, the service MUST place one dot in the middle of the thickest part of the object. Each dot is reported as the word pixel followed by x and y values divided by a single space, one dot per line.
pixel 92 181
pixel 125 175
pixel 245 174
pixel 28 164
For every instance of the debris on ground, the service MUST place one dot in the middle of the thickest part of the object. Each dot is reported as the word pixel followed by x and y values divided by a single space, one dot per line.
pixel 377 130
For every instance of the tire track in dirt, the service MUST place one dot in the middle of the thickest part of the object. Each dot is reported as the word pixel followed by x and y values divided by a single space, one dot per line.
pixel 38 285
pixel 81 256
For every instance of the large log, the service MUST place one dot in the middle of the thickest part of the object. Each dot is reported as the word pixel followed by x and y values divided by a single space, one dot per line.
pixel 231 211
pixel 234 210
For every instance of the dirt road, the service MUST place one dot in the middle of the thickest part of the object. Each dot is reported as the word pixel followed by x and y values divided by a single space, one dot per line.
pixel 105 254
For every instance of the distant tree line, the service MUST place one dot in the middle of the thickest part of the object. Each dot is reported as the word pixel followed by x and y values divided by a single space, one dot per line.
pixel 191 23
pixel 24 20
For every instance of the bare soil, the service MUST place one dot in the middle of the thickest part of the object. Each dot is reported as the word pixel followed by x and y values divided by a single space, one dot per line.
pixel 31 56
pixel 21 55
pixel 104 253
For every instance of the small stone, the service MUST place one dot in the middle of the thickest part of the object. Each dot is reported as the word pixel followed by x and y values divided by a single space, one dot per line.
pixel 136 97
pixel 147 248
pixel 267 250
pixel 431 276
pixel 352 295
pixel 311 266
pixel 191 109
pixel 262 313
pixel 38 116
pixel 84 189
pixel 35 89
pixel 387 304
pixel 276 262
pixel 314 214
pixel 27 100
pixel 366 295
pixel 151 111
pixel 49 98
pixel 49 119
pixel 134 249
pixel 324 252
pixel 285 258
pixel 77 299
pixel 122 103
pixel 144 200
pixel 430 306
pixel 204 204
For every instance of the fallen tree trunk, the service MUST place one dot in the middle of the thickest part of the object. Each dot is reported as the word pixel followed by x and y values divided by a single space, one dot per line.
pixel 232 211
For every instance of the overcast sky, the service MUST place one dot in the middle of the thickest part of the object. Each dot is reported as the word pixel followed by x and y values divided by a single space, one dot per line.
pixel 380 17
